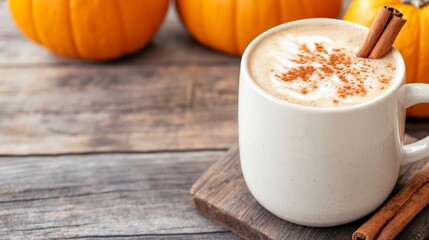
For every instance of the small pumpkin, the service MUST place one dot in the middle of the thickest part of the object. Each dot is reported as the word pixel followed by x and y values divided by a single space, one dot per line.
pixel 412 41
pixel 89 29
pixel 229 26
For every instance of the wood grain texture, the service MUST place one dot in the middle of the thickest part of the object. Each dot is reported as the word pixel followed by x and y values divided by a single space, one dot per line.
pixel 116 108
pixel 142 196
pixel 222 195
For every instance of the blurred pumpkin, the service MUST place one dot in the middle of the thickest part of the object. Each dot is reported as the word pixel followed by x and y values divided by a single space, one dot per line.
pixel 89 29
pixel 229 26
pixel 412 42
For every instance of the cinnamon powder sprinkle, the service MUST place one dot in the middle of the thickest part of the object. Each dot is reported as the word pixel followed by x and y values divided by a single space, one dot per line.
pixel 328 64
pixel 320 48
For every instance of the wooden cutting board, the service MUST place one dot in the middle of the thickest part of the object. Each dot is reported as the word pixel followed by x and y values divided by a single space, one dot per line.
pixel 222 195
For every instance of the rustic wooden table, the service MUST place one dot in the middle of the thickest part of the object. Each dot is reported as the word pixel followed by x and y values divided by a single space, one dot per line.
pixel 110 150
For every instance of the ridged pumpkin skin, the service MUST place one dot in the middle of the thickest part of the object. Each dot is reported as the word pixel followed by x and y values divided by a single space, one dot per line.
pixel 230 26
pixel 412 42
pixel 89 29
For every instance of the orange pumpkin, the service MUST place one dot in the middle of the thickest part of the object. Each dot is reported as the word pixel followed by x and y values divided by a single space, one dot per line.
pixel 229 26
pixel 412 42
pixel 89 29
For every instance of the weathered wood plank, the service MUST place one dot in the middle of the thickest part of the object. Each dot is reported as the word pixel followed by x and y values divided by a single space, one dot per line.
pixel 117 108
pixel 191 236
pixel 172 44
pixel 97 196
pixel 222 195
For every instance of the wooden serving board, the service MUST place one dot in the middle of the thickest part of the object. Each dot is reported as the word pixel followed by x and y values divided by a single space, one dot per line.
pixel 222 195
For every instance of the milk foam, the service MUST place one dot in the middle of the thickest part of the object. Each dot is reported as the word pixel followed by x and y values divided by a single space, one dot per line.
pixel 280 54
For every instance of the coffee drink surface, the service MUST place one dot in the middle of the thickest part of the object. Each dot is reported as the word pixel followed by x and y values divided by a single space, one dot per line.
pixel 316 65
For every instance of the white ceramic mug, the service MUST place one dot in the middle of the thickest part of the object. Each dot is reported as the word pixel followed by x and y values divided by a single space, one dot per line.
pixel 324 166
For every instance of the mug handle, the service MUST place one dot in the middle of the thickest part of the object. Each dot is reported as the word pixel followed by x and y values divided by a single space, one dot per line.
pixel 416 93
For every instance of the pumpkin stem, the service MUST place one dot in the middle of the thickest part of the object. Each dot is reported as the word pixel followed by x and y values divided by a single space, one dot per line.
pixel 417 3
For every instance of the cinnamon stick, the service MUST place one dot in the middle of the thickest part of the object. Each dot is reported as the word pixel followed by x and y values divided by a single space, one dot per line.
pixel 372 228
pixel 411 208
pixel 382 33
pixel 387 38
pixel 377 27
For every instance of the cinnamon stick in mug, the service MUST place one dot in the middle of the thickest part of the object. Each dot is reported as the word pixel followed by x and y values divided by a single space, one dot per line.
pixel 382 33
